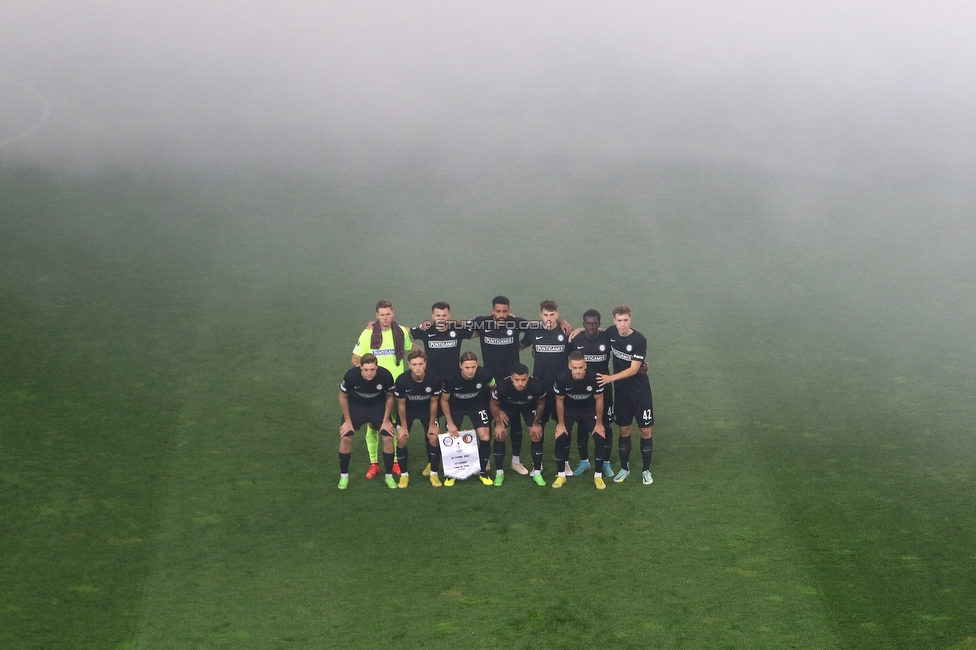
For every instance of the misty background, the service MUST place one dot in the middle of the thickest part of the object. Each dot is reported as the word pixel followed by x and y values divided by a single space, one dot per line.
pixel 299 86
pixel 847 124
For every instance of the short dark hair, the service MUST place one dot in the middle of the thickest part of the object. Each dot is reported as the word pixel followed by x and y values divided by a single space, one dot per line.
pixel 384 304
pixel 592 313
pixel 467 356
pixel 500 300
pixel 369 357
pixel 576 355
pixel 416 353
pixel 621 309
pixel 519 369
pixel 548 305
pixel 440 305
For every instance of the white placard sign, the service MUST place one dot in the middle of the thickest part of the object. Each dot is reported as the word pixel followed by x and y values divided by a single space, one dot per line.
pixel 459 456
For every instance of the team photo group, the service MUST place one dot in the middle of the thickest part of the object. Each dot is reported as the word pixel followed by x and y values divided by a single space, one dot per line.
pixel 583 379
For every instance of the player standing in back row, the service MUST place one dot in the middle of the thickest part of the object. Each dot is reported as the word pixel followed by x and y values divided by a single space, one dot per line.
pixel 502 337
pixel 594 343
pixel 388 342
pixel 550 351
pixel 442 337
pixel 633 391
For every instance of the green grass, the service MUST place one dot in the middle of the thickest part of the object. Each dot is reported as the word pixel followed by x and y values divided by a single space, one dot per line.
pixel 170 350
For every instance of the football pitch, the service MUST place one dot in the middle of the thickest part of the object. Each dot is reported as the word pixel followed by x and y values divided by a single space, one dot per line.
pixel 171 346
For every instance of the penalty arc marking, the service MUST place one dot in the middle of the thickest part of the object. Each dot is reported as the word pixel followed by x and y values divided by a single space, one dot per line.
pixel 45 113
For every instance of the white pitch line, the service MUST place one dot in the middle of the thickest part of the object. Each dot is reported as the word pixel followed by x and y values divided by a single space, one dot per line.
pixel 45 113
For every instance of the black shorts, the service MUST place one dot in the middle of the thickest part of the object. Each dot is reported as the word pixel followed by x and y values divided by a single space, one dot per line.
pixel 479 417
pixel 585 418
pixel 527 414
pixel 423 418
pixel 628 406
pixel 360 415
pixel 416 417
pixel 550 412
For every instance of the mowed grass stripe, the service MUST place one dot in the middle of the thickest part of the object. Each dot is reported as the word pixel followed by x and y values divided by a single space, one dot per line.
pixel 865 439
pixel 766 527
pixel 867 493
pixel 89 326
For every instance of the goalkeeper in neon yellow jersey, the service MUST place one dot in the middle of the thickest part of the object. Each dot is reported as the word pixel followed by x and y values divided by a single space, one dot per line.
pixel 389 342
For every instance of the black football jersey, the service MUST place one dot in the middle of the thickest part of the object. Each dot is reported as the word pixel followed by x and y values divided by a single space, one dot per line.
pixel 363 392
pixel 443 348
pixel 417 393
pixel 500 343
pixel 551 353
pixel 508 397
pixel 595 352
pixel 625 349
pixel 578 394
pixel 471 393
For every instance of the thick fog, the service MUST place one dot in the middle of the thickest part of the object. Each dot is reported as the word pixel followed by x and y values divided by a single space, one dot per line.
pixel 854 118
pixel 300 85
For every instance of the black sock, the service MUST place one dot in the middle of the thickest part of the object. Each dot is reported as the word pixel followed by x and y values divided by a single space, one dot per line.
pixel 402 455
pixel 562 452
pixel 388 462
pixel 344 462
pixel 435 465
pixel 499 452
pixel 536 451
pixel 608 445
pixel 515 433
pixel 647 448
pixel 599 452
pixel 583 442
pixel 484 450
pixel 623 448
pixel 432 456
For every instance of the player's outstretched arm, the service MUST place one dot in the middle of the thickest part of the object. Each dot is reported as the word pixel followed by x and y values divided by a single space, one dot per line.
pixel 634 368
